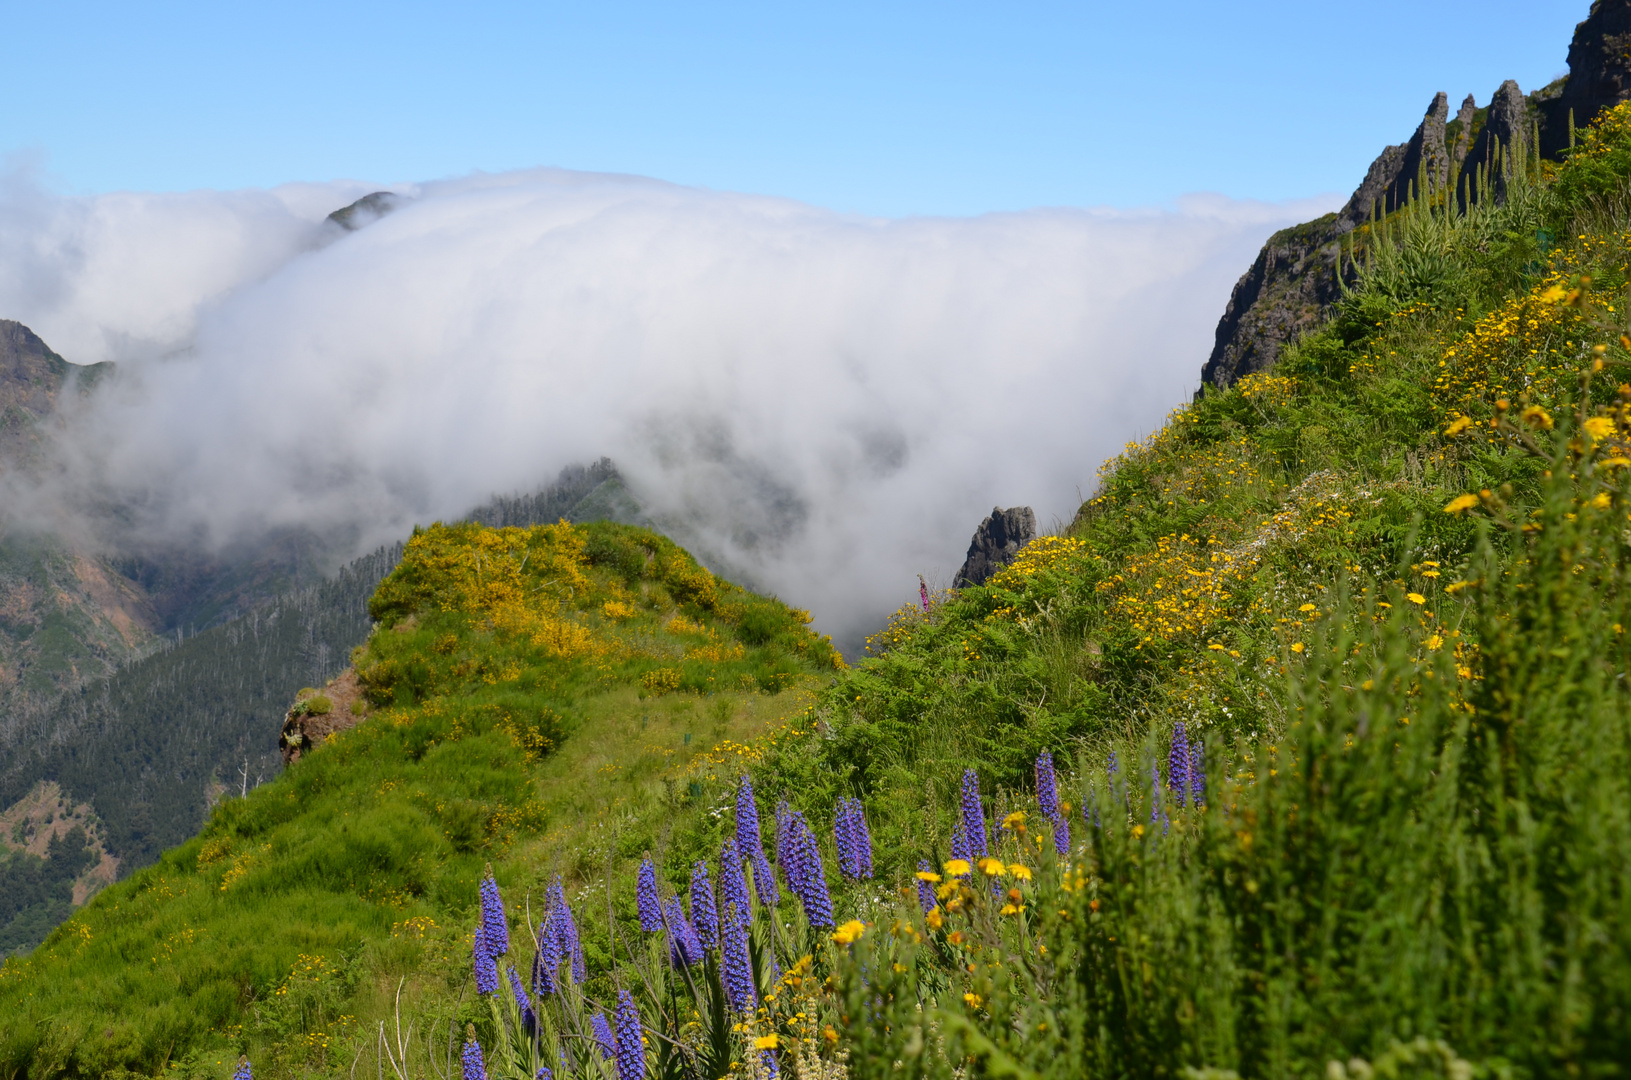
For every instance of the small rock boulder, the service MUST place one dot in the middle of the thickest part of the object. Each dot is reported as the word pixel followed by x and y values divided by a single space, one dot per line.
pixel 995 543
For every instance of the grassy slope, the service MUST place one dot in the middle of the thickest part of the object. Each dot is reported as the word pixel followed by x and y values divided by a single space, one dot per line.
pixel 1275 568
pixel 511 722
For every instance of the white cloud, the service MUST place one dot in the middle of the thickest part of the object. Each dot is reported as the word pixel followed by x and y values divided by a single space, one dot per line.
pixel 826 404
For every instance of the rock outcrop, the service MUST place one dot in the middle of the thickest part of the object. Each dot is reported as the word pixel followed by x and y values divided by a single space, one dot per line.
pixel 995 543
pixel 1599 73
pixel 1291 287
pixel 366 210
pixel 318 714
pixel 1505 138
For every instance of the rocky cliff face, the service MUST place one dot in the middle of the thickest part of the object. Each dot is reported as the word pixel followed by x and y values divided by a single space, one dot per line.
pixel 1291 287
pixel 995 543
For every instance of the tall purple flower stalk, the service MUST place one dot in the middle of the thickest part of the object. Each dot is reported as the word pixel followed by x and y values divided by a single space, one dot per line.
pixel 243 1072
pixel 704 908
pixel 925 891
pixel 631 1049
pixel 566 931
pixel 497 927
pixel 750 843
pixel 646 900
pixel 1061 835
pixel 1197 773
pixel 683 947
pixel 546 963
pixel 486 967
pixel 733 887
pixel 959 849
pixel 805 874
pixel 474 1067
pixel 849 862
pixel 1047 787
pixel 735 963
pixel 973 815
pixel 544 1073
pixel 854 840
pixel 784 834
pixel 1178 764
pixel 1047 797
pixel 768 1060
pixel 529 1019
pixel 601 1029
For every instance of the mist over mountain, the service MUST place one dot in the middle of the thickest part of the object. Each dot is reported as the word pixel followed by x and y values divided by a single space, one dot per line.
pixel 822 405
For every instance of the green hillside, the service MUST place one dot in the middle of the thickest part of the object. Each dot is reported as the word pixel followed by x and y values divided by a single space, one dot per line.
pixel 1331 676
pixel 525 685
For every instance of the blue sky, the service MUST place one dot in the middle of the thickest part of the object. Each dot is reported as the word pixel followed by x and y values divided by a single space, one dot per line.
pixel 890 109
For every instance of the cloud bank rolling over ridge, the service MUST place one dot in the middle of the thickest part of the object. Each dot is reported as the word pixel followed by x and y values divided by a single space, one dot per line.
pixel 823 405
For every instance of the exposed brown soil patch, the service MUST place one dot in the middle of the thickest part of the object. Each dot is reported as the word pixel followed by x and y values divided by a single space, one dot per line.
pixel 305 730
pixel 44 814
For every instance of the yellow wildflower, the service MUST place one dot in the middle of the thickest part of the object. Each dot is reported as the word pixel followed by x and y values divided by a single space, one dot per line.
pixel 1021 872
pixel 1535 416
pixel 990 866
pixel 958 867
pixel 1415 598
pixel 850 932
pixel 1460 503
pixel 928 875
pixel 767 1042
pixel 1599 427
pixel 1458 425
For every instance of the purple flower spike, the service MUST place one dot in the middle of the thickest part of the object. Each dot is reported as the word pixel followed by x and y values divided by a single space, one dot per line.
pixel 805 874
pixel 631 1048
pixel 1061 835
pixel 733 887
pixel 529 1019
pixel 854 840
pixel 784 833
pixel 973 815
pixel 601 1029
pixel 1047 787
pixel 959 849
pixel 768 1060
pixel 1197 774
pixel 486 966
pixel 748 839
pixel 544 1073
pixel 546 963
pixel 497 927
pixel 566 932
pixel 474 1067
pixel 863 838
pixel 704 908
pixel 925 891
pixel 646 900
pixel 735 963
pixel 683 947
pixel 1178 764
pixel 849 860
pixel 243 1072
